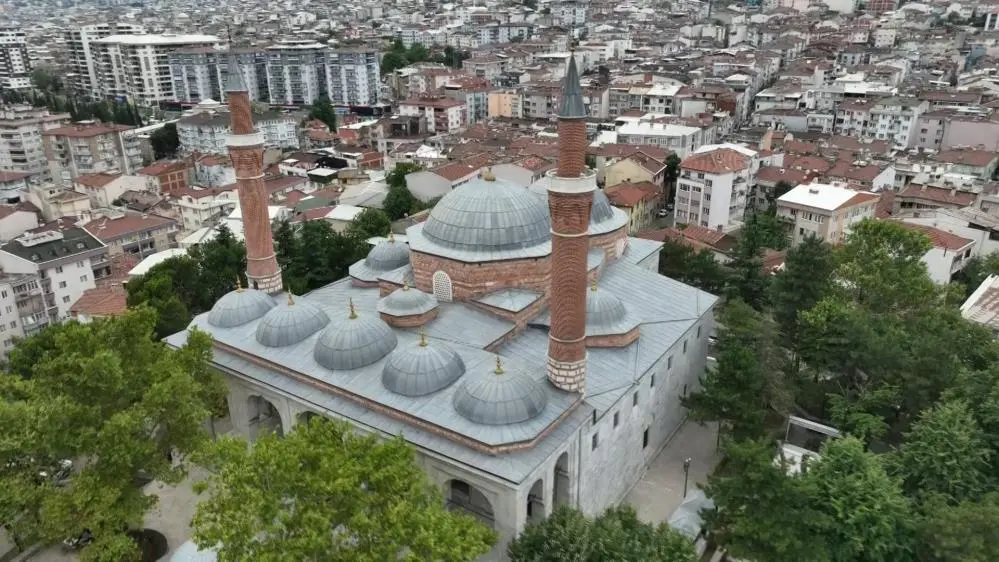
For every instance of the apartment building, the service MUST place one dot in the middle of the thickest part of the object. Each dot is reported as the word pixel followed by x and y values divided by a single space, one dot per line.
pixel 166 176
pixel 474 92
pixel 297 72
pixel 103 188
pixel 680 139
pixel 894 119
pixel 713 189
pixel 11 186
pixel 132 233
pixel 199 208
pixel 21 146
pixel 90 147
pixel 825 211
pixel 443 115
pixel 137 67
pixel 200 73
pixel 22 308
pixel 60 256
pixel 354 75
pixel 206 132
pixel 569 14
pixel 949 253
pixel 15 68
pixel 505 103
pixel 81 77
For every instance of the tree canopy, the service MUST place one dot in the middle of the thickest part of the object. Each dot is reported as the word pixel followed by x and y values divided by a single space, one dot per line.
pixel 312 254
pixel 165 141
pixel 400 202
pixel 108 397
pixel 323 110
pixel 324 492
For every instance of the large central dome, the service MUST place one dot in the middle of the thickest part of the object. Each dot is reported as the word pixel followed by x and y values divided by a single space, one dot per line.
pixel 489 215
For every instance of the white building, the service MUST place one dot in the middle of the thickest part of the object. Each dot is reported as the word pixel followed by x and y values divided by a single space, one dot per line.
pixel 825 211
pixel 137 67
pixel 205 130
pixel 296 72
pixel 15 68
pixel 354 76
pixel 713 189
pixel 81 63
pixel 22 309
pixel 443 115
pixel 21 145
pixel 199 208
pixel 569 14
pixel 61 257
pixel 680 139
pixel 948 254
pixel 201 73
pixel 894 119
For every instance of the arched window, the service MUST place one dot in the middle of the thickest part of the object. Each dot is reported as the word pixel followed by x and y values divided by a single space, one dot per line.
pixel 442 287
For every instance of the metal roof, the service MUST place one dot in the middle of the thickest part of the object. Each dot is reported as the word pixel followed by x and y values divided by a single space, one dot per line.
pixel 357 342
pixel 235 81
pixel 604 217
pixel 406 301
pixel 399 276
pixel 422 369
pixel 606 314
pixel 387 255
pixel 513 300
pixel 238 307
pixel 571 105
pixel 289 323
pixel 499 397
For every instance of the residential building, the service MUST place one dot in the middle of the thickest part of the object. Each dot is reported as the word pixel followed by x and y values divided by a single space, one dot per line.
pixel 354 76
pixel 199 73
pixel 713 189
pixel 437 182
pixel 916 197
pixel 505 103
pixel 21 146
pixel 641 201
pixel 636 167
pixel 205 131
pixel 680 139
pixel 56 203
pixel 895 119
pixel 100 302
pixel 103 188
pixel 60 255
pixel 861 175
pixel 570 14
pixel 297 72
pixel 15 220
pixel 980 164
pixel 22 308
pixel 137 67
pixel 166 176
pixel 90 147
pixel 214 170
pixel 473 92
pixel 982 306
pixel 136 234
pixel 443 115
pixel 825 211
pixel 948 253
pixel 12 184
pixel 81 62
pixel 199 208
pixel 15 67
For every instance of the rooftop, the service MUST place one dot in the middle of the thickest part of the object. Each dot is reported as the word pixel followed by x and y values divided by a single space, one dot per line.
pixel 164 39
pixel 111 228
pixel 825 197
pixel 100 302
pixel 721 161
pixel 51 241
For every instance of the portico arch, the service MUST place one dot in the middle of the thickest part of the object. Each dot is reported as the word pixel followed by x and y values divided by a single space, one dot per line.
pixel 305 417
pixel 462 496
pixel 264 417
pixel 536 502
pixel 561 487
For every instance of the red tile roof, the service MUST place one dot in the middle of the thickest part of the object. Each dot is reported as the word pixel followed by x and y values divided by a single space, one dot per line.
pixel 455 171
pixel 627 194
pixel 718 161
pixel 12 176
pixel 938 195
pixel 99 179
pixel 101 301
pixel 106 229
pixel 966 157
pixel 86 130
pixel 774 174
pixel 163 167
pixel 848 171
pixel 940 238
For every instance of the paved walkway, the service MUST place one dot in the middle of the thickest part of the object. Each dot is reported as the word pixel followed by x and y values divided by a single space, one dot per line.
pixel 660 490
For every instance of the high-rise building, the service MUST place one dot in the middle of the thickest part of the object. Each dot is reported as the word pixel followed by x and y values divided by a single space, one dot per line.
pixel 137 67
pixel 570 198
pixel 21 146
pixel 246 150
pixel 82 71
pixel 15 68
pixel 354 76
pixel 201 73
pixel 297 72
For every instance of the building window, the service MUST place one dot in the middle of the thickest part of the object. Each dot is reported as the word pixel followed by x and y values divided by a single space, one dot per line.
pixel 669 362
pixel 652 381
pixel 13 324
pixel 594 417
pixel 594 441
pixel 617 418
pixel 65 299
pixel 698 332
pixel 685 346
pixel 79 264
pixel 62 284
pixel 83 278
pixel 59 269
pixel 634 399
pixel 3 294
pixel 645 438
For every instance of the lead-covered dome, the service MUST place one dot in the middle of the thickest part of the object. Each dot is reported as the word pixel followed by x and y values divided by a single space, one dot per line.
pixel 240 307
pixel 290 323
pixel 500 398
pixel 488 214
pixel 602 209
pixel 357 341
pixel 407 301
pixel 422 369
pixel 383 257
pixel 606 313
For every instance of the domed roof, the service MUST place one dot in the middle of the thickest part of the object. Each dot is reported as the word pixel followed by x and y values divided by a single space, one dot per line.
pixel 606 314
pixel 601 213
pixel 500 398
pixel 488 214
pixel 189 552
pixel 388 255
pixel 407 301
pixel 354 342
pixel 239 307
pixel 290 323
pixel 422 368
pixel 602 209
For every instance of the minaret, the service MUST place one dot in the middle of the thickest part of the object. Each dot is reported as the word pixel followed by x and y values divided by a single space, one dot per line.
pixel 246 150
pixel 570 197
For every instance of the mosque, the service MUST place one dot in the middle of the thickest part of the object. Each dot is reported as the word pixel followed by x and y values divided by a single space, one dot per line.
pixel 519 340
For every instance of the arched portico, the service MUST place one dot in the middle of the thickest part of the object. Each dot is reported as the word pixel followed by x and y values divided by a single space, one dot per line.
pixel 561 484
pixel 264 417
pixel 536 502
pixel 462 496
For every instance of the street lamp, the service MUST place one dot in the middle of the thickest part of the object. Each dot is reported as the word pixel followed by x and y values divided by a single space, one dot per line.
pixel 686 474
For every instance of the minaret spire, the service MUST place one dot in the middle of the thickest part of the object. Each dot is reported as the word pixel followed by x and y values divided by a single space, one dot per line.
pixel 246 150
pixel 570 198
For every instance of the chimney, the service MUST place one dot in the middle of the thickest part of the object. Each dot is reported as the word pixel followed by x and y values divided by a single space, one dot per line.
pixel 246 150
pixel 570 198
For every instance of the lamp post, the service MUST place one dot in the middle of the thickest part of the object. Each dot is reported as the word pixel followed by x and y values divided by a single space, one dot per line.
pixel 686 474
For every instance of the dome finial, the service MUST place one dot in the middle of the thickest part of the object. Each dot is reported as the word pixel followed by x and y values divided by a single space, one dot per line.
pixel 499 366
pixel 239 285
pixel 593 284
pixel 405 285
pixel 391 238
pixel 488 175
pixel 353 311
pixel 291 300
pixel 423 337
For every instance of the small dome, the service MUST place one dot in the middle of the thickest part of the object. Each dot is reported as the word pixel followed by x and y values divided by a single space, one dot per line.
pixel 290 323
pixel 387 255
pixel 606 314
pixel 239 307
pixel 422 369
pixel 355 342
pixel 602 209
pixel 500 398
pixel 407 301
pixel 489 215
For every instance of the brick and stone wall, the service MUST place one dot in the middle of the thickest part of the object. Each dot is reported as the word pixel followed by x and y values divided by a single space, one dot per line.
pixel 471 280
pixel 616 340
pixel 409 321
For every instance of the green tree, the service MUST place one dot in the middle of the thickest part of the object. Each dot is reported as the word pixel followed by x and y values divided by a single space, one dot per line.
pixel 697 268
pixel 397 177
pixel 399 202
pixel 800 285
pixel 165 141
pixel 369 223
pixel 417 53
pixel 672 168
pixel 747 280
pixel 945 453
pixel 966 532
pixel 157 291
pixel 323 492
pixel 976 270
pixel 47 79
pixel 393 61
pixel 617 534
pixel 323 110
pixel 107 395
